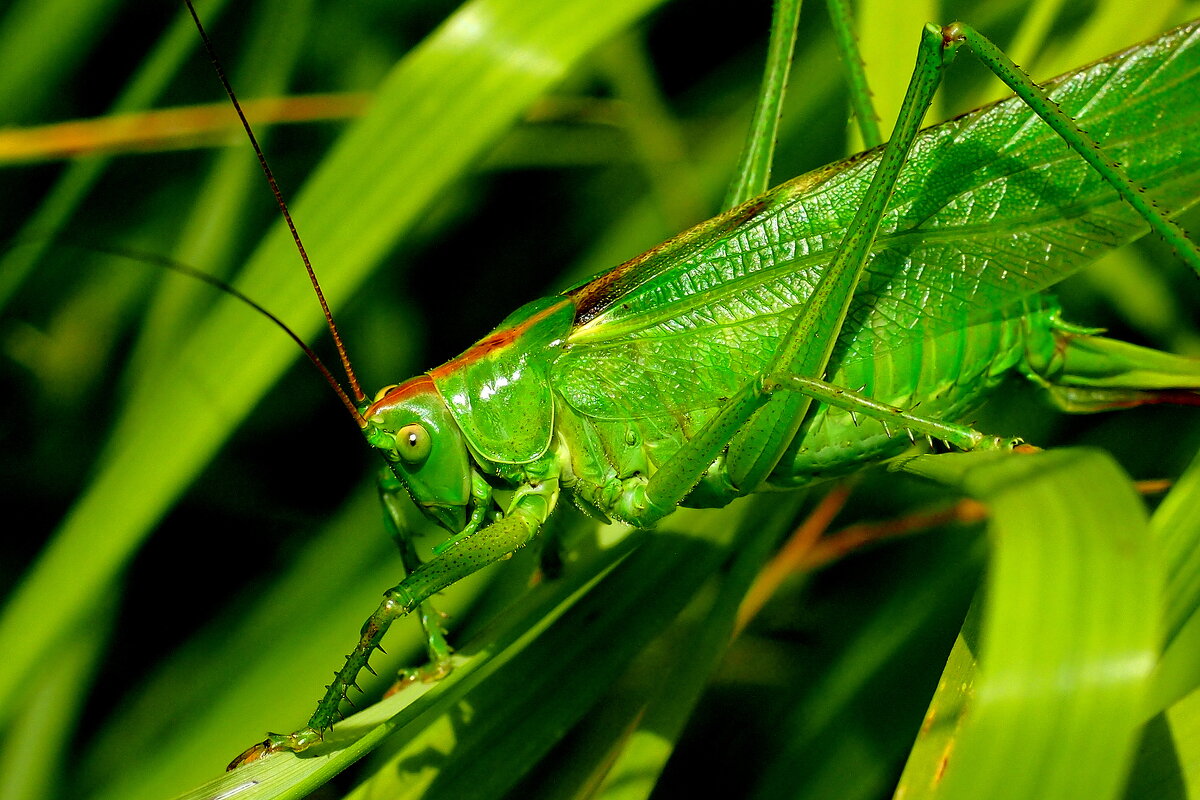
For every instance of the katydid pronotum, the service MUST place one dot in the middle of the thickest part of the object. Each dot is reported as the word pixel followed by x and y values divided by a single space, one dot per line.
pixel 1168 204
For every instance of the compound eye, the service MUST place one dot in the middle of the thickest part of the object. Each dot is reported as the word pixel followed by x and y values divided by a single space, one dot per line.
pixel 413 443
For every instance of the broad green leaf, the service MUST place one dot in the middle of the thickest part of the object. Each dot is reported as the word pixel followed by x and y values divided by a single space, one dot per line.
pixel 1069 636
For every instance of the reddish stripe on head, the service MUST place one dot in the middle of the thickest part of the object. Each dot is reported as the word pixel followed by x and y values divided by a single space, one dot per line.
pixel 413 387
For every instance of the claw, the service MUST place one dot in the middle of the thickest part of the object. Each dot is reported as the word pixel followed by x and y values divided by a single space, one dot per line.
pixel 250 754
pixel 431 672
pixel 1003 443
pixel 276 742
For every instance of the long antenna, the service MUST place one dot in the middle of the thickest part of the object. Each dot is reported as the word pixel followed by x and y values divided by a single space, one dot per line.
pixel 262 160
pixel 186 269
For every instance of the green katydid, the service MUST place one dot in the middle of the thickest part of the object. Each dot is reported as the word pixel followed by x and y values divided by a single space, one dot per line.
pixel 63 602
pixel 790 339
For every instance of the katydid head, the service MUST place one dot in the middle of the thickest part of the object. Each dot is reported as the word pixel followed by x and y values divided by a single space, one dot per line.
pixel 424 447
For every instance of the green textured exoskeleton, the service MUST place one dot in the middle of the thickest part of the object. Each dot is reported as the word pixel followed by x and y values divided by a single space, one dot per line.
pixel 780 343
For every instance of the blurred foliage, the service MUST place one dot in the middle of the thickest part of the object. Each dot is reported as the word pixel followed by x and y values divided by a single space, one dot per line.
pixel 216 539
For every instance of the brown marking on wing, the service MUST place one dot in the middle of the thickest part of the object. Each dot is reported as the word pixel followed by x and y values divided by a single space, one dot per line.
pixel 594 297
pixel 602 292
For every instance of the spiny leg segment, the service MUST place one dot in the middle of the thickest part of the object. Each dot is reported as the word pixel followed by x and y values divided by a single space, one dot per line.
pixel 437 648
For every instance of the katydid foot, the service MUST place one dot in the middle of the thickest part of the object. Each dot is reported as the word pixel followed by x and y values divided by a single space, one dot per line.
pixel 433 671
pixel 275 743
pixel 436 669
pixel 439 664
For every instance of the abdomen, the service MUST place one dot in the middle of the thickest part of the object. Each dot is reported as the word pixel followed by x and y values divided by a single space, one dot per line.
pixel 943 376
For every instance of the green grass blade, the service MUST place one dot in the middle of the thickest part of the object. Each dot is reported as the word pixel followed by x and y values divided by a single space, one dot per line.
pixel 250 668
pixel 1178 671
pixel 664 686
pixel 1184 719
pixel 420 711
pixel 1176 524
pixel 40 43
pixel 855 700
pixel 54 213
pixel 887 36
pixel 555 651
pixel 227 193
pixel 35 753
pixel 1070 633
pixel 566 672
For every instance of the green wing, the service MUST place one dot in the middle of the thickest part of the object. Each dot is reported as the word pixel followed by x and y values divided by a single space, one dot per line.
pixel 991 208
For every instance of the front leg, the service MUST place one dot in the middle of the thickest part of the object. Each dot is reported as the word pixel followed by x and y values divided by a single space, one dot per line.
pixel 531 505
pixel 436 646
